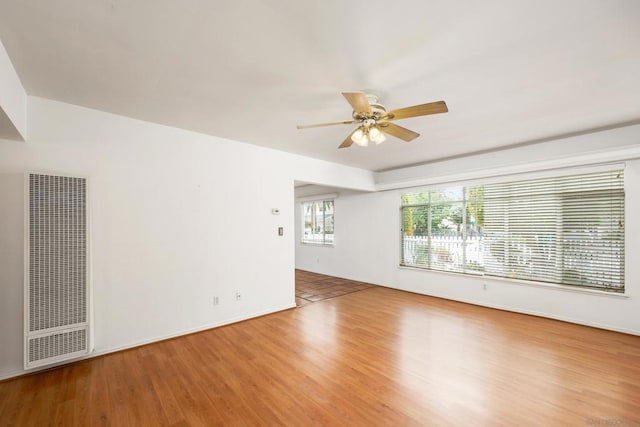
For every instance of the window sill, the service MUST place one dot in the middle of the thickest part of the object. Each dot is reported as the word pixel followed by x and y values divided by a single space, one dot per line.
pixel 319 244
pixel 566 288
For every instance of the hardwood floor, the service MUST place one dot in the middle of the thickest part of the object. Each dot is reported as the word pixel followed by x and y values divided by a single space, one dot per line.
pixel 373 357
pixel 314 287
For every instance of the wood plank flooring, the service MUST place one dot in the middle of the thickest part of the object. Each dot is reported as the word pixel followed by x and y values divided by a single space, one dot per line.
pixel 374 357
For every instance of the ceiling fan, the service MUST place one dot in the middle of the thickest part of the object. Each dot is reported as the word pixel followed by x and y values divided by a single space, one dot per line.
pixel 374 119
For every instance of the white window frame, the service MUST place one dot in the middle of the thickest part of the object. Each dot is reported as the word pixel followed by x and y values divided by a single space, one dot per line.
pixel 619 290
pixel 303 223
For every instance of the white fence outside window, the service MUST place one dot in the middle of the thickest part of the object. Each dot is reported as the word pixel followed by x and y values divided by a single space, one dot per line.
pixel 446 250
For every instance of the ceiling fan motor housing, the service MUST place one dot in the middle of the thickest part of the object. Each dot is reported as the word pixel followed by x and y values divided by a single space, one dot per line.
pixel 377 112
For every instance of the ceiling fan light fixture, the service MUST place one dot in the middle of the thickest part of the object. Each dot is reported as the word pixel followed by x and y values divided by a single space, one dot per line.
pixel 380 138
pixel 376 135
pixel 365 133
pixel 364 141
pixel 357 135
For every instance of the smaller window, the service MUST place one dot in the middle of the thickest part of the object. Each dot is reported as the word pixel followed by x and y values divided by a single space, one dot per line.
pixel 317 226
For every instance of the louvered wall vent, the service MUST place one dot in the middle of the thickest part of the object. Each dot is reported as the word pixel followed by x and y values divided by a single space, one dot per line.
pixel 57 298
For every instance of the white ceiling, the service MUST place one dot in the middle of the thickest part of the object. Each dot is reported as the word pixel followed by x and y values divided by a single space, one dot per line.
pixel 250 70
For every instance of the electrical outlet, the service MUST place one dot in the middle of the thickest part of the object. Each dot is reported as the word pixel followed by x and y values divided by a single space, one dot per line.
pixel 238 296
pixel 216 300
pixel 484 286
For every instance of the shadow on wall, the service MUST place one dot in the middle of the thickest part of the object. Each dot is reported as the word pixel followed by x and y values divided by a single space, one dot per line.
pixel 11 271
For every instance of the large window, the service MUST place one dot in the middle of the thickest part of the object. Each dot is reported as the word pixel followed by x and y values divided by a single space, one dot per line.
pixel 566 230
pixel 318 222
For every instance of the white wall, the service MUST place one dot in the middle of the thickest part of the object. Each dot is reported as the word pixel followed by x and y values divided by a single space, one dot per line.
pixel 176 219
pixel 367 237
pixel 13 101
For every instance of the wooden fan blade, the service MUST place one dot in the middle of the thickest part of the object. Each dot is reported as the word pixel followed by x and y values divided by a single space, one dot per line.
pixel 358 101
pixel 398 131
pixel 418 110
pixel 347 142
pixel 344 122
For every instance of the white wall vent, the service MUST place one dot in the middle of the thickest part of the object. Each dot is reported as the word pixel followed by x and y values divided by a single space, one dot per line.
pixel 56 270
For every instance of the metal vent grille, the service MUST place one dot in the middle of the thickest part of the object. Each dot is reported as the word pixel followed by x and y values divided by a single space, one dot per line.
pixel 51 346
pixel 57 291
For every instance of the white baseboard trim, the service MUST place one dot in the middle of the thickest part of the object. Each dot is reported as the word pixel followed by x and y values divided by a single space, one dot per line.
pixel 524 311
pixel 102 352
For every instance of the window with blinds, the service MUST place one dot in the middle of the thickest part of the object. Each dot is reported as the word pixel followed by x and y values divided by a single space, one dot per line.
pixel 566 230
pixel 317 222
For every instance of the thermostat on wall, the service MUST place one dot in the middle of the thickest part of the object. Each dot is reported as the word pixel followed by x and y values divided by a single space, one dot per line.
pixel 275 211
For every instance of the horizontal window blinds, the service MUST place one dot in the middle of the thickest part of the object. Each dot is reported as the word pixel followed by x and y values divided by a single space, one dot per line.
pixel 566 230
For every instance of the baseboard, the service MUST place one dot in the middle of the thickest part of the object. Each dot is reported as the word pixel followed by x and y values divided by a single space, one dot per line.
pixel 102 352
pixel 524 311
pixel 193 330
pixel 496 306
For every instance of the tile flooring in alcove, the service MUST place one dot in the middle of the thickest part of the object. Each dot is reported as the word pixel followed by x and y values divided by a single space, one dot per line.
pixel 314 287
